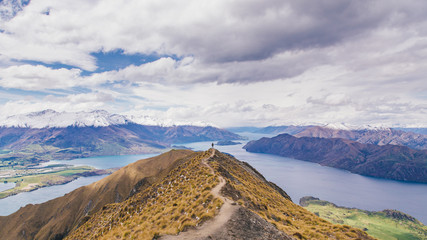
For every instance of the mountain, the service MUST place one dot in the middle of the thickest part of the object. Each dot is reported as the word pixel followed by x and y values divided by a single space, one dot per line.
pixel 281 129
pixel 419 130
pixel 270 129
pixel 388 161
pixel 52 119
pixel 55 218
pixel 379 136
pixel 51 135
pixel 177 195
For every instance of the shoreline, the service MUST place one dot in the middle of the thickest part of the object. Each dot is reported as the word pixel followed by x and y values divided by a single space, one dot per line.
pixel 60 181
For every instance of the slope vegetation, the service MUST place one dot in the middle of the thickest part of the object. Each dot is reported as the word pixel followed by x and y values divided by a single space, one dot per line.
pixel 56 218
pixel 387 224
pixel 388 161
pixel 185 199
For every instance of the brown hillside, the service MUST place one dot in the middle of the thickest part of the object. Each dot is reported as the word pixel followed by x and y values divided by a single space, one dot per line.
pixel 184 200
pixel 56 218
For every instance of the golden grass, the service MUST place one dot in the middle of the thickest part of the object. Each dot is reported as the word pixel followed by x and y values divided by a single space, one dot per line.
pixel 179 201
pixel 261 198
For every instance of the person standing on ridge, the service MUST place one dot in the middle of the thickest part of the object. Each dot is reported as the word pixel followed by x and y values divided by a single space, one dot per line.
pixel 212 145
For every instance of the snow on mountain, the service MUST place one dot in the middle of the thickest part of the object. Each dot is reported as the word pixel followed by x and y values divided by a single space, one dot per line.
pixel 149 120
pixel 348 127
pixel 50 119
pixel 98 118
pixel 9 8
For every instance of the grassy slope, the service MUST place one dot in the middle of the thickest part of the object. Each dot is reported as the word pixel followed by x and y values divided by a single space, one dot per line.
pixel 251 190
pixel 378 224
pixel 57 217
pixel 181 198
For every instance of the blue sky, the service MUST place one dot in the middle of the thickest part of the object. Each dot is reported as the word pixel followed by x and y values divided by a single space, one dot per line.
pixel 229 63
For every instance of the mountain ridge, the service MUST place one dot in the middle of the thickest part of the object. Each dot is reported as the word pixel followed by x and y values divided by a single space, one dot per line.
pixel 174 198
pixel 388 161
pixel 97 118
pixel 32 145
pixel 378 136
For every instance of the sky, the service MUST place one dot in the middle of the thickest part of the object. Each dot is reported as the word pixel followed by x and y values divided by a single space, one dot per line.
pixel 226 62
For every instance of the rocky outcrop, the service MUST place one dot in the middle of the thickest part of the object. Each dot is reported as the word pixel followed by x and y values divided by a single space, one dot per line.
pixel 388 161
pixel 245 224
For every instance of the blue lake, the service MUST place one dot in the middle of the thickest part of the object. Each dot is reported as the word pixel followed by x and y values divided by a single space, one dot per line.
pixel 102 162
pixel 300 178
pixel 5 186
pixel 13 203
pixel 297 178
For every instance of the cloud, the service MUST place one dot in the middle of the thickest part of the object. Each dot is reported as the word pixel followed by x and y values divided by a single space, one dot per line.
pixel 30 77
pixel 70 103
pixel 234 62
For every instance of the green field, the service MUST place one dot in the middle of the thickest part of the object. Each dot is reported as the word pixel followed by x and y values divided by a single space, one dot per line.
pixel 387 224
pixel 32 181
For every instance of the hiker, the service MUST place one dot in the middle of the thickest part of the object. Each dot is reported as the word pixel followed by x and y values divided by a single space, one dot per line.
pixel 212 145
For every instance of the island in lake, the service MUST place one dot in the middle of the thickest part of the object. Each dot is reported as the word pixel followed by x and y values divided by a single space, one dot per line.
pixel 227 143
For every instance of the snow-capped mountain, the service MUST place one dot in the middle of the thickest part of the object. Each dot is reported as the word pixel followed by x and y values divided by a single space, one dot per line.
pixel 9 8
pixel 348 127
pixel 98 118
pixel 152 121
pixel 49 136
pixel 51 119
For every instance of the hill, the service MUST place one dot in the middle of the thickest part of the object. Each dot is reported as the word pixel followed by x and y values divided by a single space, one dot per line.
pixel 388 161
pixel 386 224
pixel 55 218
pixel 378 136
pixel 199 195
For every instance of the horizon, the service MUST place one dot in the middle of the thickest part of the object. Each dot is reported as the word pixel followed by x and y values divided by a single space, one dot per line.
pixel 30 120
pixel 224 63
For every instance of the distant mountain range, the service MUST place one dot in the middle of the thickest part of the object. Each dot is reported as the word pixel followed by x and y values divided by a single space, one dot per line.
pixel 378 136
pixel 52 135
pixel 270 129
pixel 97 118
pixel 411 137
pixel 387 161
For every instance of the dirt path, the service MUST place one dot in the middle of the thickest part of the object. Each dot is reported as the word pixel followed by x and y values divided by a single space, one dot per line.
pixel 213 225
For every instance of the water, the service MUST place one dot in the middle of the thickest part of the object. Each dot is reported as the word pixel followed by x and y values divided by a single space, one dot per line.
pixel 297 178
pixel 300 178
pixel 102 162
pixel 13 203
pixel 5 186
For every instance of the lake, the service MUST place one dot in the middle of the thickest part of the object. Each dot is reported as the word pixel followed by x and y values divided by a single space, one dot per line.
pixel 5 186
pixel 297 178
pixel 300 178
pixel 13 203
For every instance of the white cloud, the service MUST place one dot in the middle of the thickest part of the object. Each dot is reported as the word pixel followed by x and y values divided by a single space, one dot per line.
pixel 239 62
pixel 30 77
pixel 70 103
